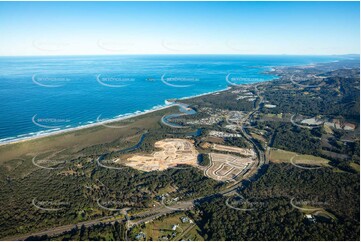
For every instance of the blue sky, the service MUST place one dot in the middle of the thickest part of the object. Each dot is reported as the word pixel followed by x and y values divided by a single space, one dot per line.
pixel 90 28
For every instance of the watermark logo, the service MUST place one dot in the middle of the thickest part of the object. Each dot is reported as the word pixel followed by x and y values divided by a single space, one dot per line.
pixel 50 46
pixel 302 166
pixel 49 81
pixel 109 164
pixel 178 82
pixel 292 79
pixel 238 80
pixel 314 122
pixel 174 203
pixel 105 123
pixel 240 203
pixel 116 45
pixel 114 81
pixel 110 205
pixel 308 205
pixel 49 163
pixel 50 123
pixel 50 205
pixel 179 45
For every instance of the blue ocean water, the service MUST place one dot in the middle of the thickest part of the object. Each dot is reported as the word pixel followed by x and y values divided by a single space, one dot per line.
pixel 45 94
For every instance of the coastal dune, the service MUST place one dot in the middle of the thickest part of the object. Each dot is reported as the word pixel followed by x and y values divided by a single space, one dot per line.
pixel 83 136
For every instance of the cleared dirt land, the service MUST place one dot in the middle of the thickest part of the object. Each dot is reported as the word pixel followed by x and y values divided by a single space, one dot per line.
pixel 233 149
pixel 172 152
pixel 226 167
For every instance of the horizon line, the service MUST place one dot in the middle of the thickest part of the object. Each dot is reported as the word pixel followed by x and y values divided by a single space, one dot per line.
pixel 175 54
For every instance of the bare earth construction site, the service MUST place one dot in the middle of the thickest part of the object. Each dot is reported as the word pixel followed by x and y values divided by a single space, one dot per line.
pixel 173 152
pixel 227 167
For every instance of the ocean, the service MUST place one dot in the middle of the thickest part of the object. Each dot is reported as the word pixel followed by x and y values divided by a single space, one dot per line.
pixel 40 95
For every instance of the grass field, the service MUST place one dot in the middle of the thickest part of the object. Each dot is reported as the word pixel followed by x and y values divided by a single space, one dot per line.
pixel 258 137
pixel 355 166
pixel 319 212
pixel 283 156
pixel 161 228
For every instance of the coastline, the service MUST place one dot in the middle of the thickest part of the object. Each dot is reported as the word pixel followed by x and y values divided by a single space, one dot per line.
pixel 102 123
pixel 39 134
pixel 86 126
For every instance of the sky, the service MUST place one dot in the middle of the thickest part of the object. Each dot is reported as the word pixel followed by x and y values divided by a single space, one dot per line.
pixel 108 28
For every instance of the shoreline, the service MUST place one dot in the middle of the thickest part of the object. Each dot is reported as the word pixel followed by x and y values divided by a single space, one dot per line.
pixel 102 123
pixel 137 113
pixel 91 125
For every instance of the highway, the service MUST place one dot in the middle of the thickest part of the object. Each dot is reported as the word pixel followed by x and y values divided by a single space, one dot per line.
pixel 262 158
pixel 135 220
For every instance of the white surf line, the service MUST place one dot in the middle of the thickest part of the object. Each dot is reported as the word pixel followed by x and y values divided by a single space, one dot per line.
pixel 83 126
pixel 38 136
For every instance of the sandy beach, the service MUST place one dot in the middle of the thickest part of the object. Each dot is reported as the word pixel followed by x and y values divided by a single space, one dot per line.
pixel 102 123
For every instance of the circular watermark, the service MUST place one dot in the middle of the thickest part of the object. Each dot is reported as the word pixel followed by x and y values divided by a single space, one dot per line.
pixel 238 80
pixel 109 164
pixel 313 126
pixel 308 205
pixel 178 81
pixel 312 167
pixel 174 203
pixel 116 45
pixel 49 81
pixel 50 123
pixel 48 163
pixel 50 46
pixel 104 123
pixel 240 203
pixel 179 45
pixel 50 205
pixel 112 206
pixel 306 85
pixel 114 81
